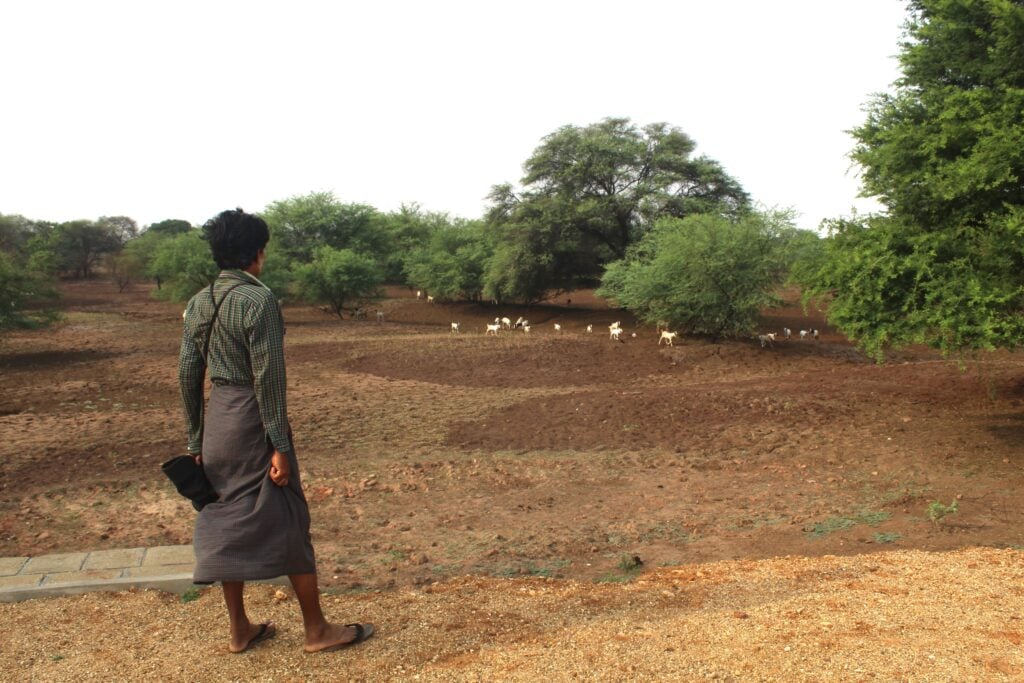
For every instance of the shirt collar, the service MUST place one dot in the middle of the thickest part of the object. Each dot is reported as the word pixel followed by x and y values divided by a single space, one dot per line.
pixel 242 275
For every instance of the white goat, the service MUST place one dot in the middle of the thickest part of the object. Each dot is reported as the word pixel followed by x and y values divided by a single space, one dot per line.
pixel 590 328
pixel 667 336
pixel 430 299
pixel 493 329
pixel 786 333
pixel 419 294
pixel 767 339
pixel 558 328
pixel 814 334
pixel 520 321
pixel 455 328
pixel 380 316
pixel 506 323
pixel 526 329
pixel 615 332
pixel 804 333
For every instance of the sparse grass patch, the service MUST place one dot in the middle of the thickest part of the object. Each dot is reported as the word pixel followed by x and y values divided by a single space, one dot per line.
pixel 614 577
pixel 394 556
pixel 190 595
pixel 630 563
pixel 532 569
pixel 833 524
pixel 666 531
pixel 885 537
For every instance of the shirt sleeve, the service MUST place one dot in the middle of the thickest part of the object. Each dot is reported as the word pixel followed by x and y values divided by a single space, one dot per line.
pixel 191 374
pixel 265 329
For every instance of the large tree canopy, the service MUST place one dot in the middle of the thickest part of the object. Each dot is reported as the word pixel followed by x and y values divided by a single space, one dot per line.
pixel 945 154
pixel 589 193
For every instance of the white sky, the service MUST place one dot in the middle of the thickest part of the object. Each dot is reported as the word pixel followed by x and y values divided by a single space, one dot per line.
pixel 181 109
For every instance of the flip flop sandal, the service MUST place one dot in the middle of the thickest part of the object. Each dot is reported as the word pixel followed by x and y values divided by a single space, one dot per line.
pixel 363 632
pixel 266 632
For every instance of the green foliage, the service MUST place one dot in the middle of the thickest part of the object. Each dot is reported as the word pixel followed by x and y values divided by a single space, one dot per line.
pixel 125 268
pixel 887 537
pixel 337 276
pixel 122 228
pixel 169 227
pixel 278 272
pixel 184 265
pixel 936 510
pixel 79 246
pixel 943 152
pixel 16 232
pixel 191 594
pixel 833 524
pixel 26 289
pixel 145 246
pixel 892 283
pixel 706 274
pixel 408 230
pixel 630 563
pixel 301 224
pixel 451 264
pixel 591 192
pixel 802 253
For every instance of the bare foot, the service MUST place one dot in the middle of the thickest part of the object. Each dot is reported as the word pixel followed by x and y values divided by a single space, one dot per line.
pixel 252 635
pixel 336 636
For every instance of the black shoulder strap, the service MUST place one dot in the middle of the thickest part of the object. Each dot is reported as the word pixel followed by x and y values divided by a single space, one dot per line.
pixel 216 307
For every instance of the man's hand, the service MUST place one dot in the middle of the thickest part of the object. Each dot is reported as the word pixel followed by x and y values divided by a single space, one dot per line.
pixel 280 469
pixel 198 458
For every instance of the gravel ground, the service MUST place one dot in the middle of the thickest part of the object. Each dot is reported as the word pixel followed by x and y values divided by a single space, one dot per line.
pixel 896 616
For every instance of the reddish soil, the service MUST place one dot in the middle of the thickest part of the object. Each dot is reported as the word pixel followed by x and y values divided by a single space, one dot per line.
pixel 428 454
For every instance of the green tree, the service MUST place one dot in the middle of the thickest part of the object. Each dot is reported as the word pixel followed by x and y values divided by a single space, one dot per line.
pixel 704 274
pixel 16 232
pixel 408 230
pixel 126 267
pixel 338 276
pixel 122 228
pixel 79 246
pixel 301 224
pixel 171 226
pixel 26 291
pixel 184 265
pixel 944 152
pixel 278 272
pixel 589 193
pixel 452 263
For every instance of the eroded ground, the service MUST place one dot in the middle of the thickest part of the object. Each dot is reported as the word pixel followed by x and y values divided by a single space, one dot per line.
pixel 428 455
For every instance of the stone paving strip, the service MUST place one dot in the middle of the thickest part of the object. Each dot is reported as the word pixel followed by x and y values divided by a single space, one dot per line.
pixel 167 567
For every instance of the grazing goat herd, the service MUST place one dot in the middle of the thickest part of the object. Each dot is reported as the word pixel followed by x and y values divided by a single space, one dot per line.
pixel 615 330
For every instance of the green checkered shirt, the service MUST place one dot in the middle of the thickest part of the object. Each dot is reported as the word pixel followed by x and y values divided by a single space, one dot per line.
pixel 247 348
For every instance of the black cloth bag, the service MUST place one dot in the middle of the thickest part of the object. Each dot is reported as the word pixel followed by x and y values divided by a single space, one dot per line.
pixel 190 480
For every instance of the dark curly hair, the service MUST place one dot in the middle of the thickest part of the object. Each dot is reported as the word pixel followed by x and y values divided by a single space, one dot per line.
pixel 235 238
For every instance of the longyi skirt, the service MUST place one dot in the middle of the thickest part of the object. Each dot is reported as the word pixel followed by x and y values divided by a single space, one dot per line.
pixel 256 529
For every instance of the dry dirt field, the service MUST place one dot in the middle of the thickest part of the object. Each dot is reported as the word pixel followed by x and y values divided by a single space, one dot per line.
pixel 429 456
